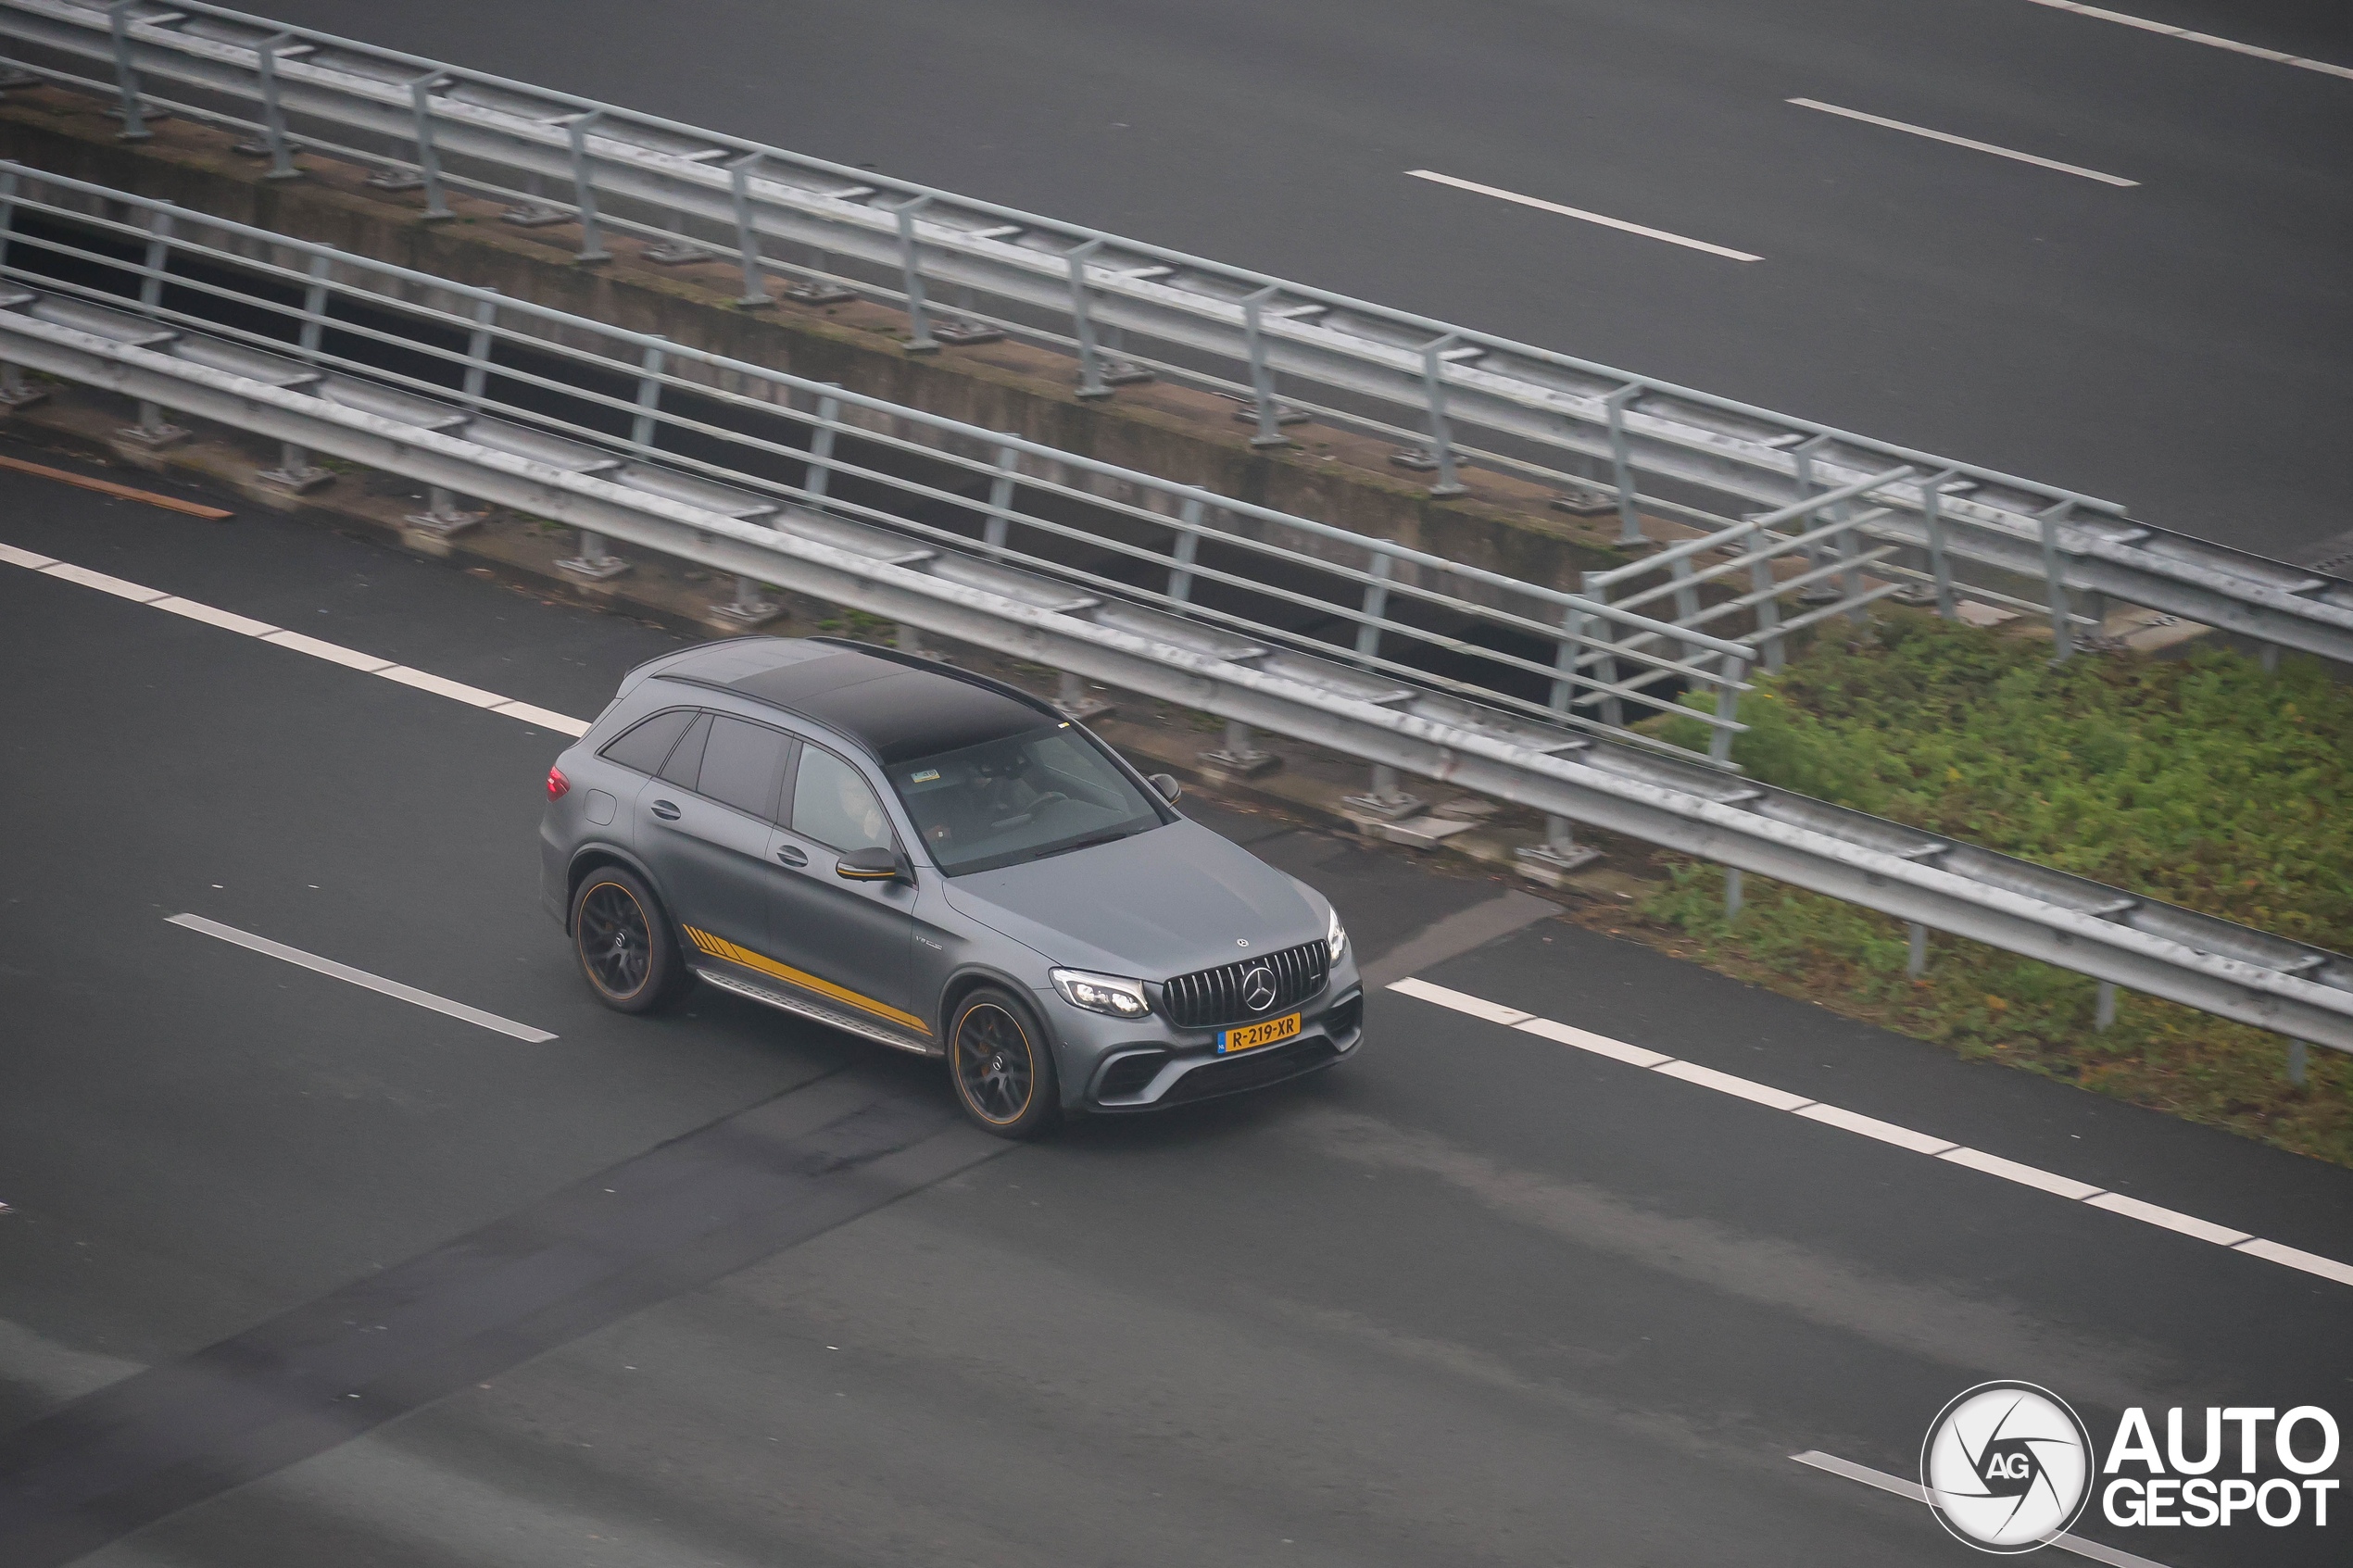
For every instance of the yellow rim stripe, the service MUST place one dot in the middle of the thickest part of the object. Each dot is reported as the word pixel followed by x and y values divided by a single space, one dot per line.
pixel 719 948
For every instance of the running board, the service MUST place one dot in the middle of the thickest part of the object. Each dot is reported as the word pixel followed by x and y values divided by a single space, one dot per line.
pixel 817 1012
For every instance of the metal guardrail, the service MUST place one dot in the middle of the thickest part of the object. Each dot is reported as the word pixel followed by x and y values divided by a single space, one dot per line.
pixel 1148 549
pixel 467 442
pixel 1276 345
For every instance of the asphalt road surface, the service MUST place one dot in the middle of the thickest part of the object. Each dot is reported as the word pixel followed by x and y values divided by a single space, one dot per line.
pixel 296 1273
pixel 2182 344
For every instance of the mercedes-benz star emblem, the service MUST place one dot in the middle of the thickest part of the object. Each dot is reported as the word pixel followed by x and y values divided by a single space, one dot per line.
pixel 1258 988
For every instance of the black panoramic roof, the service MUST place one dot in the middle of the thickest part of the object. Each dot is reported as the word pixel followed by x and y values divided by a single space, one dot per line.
pixel 895 706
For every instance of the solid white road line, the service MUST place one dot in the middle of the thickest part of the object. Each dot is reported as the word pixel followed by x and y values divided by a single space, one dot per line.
pixel 1964 141
pixel 1619 223
pixel 2186 36
pixel 334 653
pixel 361 977
pixel 1873 1127
pixel 1912 1489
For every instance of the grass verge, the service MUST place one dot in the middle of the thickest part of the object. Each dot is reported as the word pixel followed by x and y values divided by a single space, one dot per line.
pixel 2204 782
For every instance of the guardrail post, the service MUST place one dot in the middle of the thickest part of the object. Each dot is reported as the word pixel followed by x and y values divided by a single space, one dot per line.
pixel 920 340
pixel 1932 517
pixel 154 432
pixel 1731 893
pixel 1566 652
pixel 1802 460
pixel 1441 436
pixel 1606 663
pixel 134 124
pixel 1550 861
pixel 1375 605
pixel 821 451
pixel 294 471
pixel 646 426
pixel 1769 605
pixel 428 155
pixel 1180 575
pixel 2104 1006
pixel 755 292
pixel 478 347
pixel 1262 375
pixel 2296 1066
pixel 584 188
pixel 1238 756
pixel 1091 372
pixel 1000 500
pixel 1916 956
pixel 1388 801
pixel 1728 709
pixel 273 116
pixel 1629 516
pixel 2062 633
pixel 594 563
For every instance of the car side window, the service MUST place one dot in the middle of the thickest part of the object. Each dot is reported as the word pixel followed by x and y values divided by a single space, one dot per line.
pixel 833 804
pixel 743 765
pixel 686 758
pixel 645 745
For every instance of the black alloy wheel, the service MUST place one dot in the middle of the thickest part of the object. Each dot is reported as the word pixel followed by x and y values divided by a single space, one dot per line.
pixel 1003 1069
pixel 624 945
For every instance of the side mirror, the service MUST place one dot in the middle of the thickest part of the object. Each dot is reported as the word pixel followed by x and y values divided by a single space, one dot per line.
pixel 1167 786
pixel 871 865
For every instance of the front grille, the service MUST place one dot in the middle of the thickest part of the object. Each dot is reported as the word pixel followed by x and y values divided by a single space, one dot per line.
pixel 1211 999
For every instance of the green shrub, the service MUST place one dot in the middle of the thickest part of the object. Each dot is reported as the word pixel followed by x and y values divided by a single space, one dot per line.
pixel 2203 781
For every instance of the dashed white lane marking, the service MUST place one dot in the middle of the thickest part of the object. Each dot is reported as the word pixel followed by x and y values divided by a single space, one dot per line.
pixel 361 977
pixel 1903 1488
pixel 1617 223
pixel 1947 136
pixel 1885 1132
pixel 334 653
pixel 2186 36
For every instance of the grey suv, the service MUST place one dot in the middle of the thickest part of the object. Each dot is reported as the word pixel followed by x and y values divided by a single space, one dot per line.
pixel 941 863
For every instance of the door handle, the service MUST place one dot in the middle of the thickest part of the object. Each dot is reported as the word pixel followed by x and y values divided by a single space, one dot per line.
pixel 793 856
pixel 665 810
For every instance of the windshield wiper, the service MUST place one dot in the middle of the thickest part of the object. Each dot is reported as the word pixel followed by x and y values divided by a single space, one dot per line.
pixel 1087 842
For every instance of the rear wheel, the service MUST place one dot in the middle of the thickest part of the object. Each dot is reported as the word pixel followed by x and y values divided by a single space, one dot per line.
pixel 623 942
pixel 1002 1066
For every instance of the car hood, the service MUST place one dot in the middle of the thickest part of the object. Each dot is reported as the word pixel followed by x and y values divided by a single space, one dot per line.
pixel 1162 903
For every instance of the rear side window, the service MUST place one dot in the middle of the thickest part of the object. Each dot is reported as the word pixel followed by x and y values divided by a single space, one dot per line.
pixel 833 804
pixel 647 744
pixel 686 758
pixel 743 765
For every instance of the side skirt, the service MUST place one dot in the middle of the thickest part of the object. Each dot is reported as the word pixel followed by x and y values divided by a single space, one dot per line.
pixel 818 1013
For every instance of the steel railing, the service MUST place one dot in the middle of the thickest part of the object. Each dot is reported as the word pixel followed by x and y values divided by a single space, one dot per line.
pixel 467 441
pixel 1125 308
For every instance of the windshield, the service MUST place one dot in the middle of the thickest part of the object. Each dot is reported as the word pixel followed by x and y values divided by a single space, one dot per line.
pixel 1019 799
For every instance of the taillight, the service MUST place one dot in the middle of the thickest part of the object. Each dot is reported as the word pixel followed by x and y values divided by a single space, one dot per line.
pixel 557 785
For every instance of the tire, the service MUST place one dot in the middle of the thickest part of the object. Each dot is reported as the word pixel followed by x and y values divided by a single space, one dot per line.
pixel 1002 1066
pixel 622 937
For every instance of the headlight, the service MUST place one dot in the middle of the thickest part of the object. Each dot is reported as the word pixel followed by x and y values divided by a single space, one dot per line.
pixel 1101 992
pixel 1336 939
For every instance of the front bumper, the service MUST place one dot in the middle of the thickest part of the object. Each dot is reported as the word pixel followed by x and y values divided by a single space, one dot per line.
pixel 1118 1066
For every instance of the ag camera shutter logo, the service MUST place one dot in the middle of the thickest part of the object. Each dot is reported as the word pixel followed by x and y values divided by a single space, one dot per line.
pixel 2006 1467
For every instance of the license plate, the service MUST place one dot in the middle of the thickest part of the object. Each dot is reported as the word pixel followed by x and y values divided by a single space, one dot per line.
pixel 1265 1033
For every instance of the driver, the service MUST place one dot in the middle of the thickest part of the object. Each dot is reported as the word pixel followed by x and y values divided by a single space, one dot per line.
pixel 860 810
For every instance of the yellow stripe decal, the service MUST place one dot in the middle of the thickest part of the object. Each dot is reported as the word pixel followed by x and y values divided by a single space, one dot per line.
pixel 720 947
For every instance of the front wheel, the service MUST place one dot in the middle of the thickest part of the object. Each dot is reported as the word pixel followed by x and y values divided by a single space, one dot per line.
pixel 623 942
pixel 1002 1066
